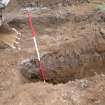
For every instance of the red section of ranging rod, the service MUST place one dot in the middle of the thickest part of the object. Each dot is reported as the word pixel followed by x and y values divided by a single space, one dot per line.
pixel 34 33
pixel 42 71
pixel 31 25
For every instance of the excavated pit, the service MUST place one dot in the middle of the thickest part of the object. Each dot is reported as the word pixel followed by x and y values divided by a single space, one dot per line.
pixel 71 42
pixel 80 54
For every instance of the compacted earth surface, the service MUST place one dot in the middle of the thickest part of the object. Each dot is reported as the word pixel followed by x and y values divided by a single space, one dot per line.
pixel 71 41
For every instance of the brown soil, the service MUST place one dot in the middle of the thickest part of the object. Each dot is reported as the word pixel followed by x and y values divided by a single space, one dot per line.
pixel 85 92
pixel 82 32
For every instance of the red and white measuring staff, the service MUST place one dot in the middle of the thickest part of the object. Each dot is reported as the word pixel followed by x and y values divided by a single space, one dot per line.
pixel 34 33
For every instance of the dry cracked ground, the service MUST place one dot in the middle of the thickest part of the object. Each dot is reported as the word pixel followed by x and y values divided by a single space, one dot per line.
pixel 71 39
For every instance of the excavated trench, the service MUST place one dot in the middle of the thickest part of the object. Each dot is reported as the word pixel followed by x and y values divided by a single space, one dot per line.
pixel 79 56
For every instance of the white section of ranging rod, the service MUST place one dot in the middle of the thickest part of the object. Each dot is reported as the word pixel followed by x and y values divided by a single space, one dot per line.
pixel 37 50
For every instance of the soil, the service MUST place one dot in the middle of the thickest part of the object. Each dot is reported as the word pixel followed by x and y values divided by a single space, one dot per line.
pixel 79 28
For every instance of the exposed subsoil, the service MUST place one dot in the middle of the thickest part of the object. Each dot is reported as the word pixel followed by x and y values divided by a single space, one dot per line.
pixel 72 41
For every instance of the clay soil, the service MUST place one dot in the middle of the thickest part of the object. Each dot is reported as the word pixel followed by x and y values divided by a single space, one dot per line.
pixel 81 25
